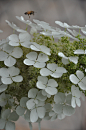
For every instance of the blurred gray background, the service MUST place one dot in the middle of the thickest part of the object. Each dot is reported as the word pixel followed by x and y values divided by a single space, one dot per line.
pixel 71 11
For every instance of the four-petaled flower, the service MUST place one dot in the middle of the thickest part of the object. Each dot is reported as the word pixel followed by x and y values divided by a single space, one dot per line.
pixel 23 39
pixel 42 48
pixel 6 121
pixel 65 59
pixel 53 70
pixel 79 79
pixel 9 53
pixel 63 104
pixel 36 61
pixel 48 85
pixel 76 94
pixel 35 96
pixel 10 75
pixel 36 104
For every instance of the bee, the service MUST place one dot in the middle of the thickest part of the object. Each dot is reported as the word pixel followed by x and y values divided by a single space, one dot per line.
pixel 29 13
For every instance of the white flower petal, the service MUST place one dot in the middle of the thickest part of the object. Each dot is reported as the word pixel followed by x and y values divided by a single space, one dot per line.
pixel 47 117
pixel 20 110
pixel 68 110
pixel 68 99
pixel 41 112
pixel 10 125
pixel 28 62
pixel 54 117
pixel 43 79
pixel 59 23
pixel 39 65
pixel 76 27
pixel 52 66
pixel 42 57
pixel 56 75
pixel 74 59
pixel 58 108
pixel 21 18
pixel 26 44
pixel 61 116
pixel 52 83
pixel 82 96
pixel 12 25
pixel 48 107
pixel 10 61
pixel 75 91
pixel 3 41
pixel 27 116
pixel 62 55
pixel 44 93
pixel 13 43
pixel 3 56
pixel 3 102
pixel 33 115
pixel 51 113
pixel 40 104
pixel 84 80
pixel 24 36
pixel 40 85
pixel 32 93
pixel 65 61
pixel 13 71
pixel 61 70
pixel 23 101
pixel 73 79
pixel 4 72
pixel 7 48
pixel 32 56
pixel 18 78
pixel 2 123
pixel 45 49
pixel 30 104
pixel 13 116
pixel 79 74
pixel 17 52
pixel 78 102
pixel 6 80
pixel 41 97
pixel 72 32
pixel 50 90
pixel 82 86
pixel 45 72
pixel 6 113
pixel 20 30
pixel 3 88
pixel 84 30
pixel 14 38
pixel 79 51
pixel 73 104
pixel 33 30
pixel 59 97
pixel 34 48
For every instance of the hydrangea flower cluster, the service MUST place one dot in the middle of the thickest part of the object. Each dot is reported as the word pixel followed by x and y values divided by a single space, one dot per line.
pixel 41 78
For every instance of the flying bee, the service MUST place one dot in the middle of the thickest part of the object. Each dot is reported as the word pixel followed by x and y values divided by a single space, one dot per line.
pixel 29 13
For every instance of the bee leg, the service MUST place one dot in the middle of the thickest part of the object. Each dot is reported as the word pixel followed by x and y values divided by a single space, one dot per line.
pixel 29 15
